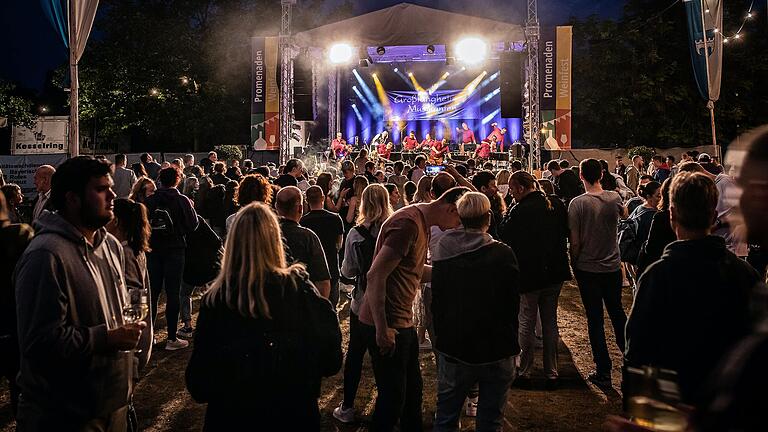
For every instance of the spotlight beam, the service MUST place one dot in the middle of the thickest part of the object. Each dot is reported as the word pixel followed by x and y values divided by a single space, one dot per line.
pixel 383 98
pixel 368 93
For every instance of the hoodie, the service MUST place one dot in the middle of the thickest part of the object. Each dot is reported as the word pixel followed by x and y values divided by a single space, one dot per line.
pixel 68 293
pixel 691 307
pixel 475 297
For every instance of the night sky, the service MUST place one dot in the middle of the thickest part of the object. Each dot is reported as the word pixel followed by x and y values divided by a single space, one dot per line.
pixel 31 48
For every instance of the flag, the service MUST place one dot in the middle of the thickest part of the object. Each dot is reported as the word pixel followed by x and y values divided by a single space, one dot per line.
pixel 707 82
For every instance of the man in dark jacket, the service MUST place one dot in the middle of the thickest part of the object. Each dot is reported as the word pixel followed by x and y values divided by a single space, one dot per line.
pixel 567 184
pixel 475 316
pixel 172 216
pixel 687 321
pixel 536 229
pixel 485 182
pixel 152 167
pixel 75 370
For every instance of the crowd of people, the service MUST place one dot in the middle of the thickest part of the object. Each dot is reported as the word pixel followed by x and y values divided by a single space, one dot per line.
pixel 466 264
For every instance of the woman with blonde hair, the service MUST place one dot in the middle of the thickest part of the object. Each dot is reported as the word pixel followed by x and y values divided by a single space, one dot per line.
pixel 375 209
pixel 264 335
pixel 143 188
pixel 422 190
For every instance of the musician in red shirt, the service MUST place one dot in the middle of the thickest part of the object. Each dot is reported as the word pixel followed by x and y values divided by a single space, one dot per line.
pixel 384 150
pixel 467 137
pixel 438 150
pixel 483 150
pixel 410 143
pixel 427 143
pixel 339 147
pixel 499 134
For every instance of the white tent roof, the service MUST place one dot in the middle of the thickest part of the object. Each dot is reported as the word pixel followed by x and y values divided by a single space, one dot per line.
pixel 409 24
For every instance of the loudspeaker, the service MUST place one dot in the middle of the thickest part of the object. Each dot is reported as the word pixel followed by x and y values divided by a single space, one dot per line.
pixel 511 85
pixel 303 109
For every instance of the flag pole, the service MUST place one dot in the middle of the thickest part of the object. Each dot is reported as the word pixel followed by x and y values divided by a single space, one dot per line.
pixel 74 133
pixel 710 103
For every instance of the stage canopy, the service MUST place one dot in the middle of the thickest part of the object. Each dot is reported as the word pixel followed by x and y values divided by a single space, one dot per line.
pixel 409 24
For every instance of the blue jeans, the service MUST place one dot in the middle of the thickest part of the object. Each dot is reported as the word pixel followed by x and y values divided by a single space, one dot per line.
pixel 165 271
pixel 541 302
pixel 454 382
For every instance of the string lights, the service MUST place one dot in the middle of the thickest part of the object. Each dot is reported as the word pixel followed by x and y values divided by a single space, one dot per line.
pixel 737 35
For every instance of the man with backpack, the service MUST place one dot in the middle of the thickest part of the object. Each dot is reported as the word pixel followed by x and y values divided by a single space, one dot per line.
pixel 172 216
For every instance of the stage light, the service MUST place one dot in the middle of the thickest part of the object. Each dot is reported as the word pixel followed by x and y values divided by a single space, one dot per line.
pixel 374 75
pixel 381 50
pixel 471 50
pixel 396 70
pixel 363 63
pixel 430 49
pixel 340 53
pixel 410 74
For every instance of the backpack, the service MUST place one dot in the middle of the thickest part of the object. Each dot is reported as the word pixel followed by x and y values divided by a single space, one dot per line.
pixel 629 243
pixel 364 251
pixel 161 223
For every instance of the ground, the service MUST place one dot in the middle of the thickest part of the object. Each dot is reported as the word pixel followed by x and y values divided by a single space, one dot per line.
pixel 163 404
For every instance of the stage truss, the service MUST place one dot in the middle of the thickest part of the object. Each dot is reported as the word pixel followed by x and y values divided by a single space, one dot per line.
pixel 531 110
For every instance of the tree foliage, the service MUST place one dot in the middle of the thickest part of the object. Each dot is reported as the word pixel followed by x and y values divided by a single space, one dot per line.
pixel 15 108
pixel 175 74
pixel 634 85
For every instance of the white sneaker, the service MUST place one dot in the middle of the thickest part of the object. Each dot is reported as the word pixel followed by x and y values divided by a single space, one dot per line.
pixel 471 410
pixel 173 345
pixel 344 415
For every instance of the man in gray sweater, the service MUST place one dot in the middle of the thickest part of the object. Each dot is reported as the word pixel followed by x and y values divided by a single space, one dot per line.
pixel 75 367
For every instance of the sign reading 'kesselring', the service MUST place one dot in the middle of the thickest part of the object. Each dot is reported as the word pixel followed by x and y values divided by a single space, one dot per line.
pixel 48 136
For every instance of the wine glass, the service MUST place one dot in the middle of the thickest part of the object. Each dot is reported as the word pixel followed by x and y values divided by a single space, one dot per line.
pixel 137 307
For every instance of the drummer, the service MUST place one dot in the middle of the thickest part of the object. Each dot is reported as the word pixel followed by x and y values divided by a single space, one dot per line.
pixel 410 143
pixel 483 150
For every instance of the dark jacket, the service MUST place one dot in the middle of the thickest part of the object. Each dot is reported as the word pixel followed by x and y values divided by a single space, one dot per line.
pixel 568 186
pixel 219 179
pixel 67 369
pixel 691 308
pixel 474 308
pixel 203 256
pixel 265 371
pixel 182 213
pixel 538 235
pixel 660 235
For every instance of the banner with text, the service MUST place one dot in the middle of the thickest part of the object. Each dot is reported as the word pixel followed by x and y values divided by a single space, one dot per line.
pixel 21 169
pixel 48 136
pixel 265 98
pixel 556 64
pixel 441 104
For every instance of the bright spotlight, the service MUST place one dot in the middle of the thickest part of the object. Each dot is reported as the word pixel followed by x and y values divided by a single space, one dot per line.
pixel 430 49
pixel 410 73
pixel 340 53
pixel 395 69
pixel 471 50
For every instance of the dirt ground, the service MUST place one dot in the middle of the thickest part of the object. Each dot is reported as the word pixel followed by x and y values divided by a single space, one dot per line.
pixel 163 404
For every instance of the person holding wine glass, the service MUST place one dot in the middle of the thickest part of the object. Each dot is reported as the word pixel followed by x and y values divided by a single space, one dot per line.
pixel 75 368
pixel 131 227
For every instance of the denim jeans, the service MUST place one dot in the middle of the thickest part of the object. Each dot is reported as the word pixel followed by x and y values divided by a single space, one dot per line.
pixel 185 300
pixel 398 379
pixel 360 336
pixel 454 381
pixel 165 271
pixel 532 304
pixel 597 289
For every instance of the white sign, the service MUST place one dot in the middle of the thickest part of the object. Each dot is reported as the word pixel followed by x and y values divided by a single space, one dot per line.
pixel 21 169
pixel 49 136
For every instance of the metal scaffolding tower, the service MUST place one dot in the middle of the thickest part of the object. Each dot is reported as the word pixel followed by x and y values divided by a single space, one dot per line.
pixel 531 108
pixel 286 81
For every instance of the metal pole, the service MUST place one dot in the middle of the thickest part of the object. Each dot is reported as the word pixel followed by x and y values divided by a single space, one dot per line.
pixel 711 103
pixel 74 132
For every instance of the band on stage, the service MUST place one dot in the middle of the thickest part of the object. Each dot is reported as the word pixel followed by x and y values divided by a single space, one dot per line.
pixel 381 147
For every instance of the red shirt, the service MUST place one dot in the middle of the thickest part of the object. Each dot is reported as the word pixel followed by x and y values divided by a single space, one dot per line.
pixel 427 143
pixel 467 136
pixel 338 147
pixel 384 151
pixel 499 138
pixel 409 143
pixel 484 150
pixel 438 148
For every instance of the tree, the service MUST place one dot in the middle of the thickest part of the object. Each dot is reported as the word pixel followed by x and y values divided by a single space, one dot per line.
pixel 15 108
pixel 634 85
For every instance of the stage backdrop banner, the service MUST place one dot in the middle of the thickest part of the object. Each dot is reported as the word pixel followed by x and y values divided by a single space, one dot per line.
pixel 441 104
pixel 708 83
pixel 49 135
pixel 21 169
pixel 265 100
pixel 556 63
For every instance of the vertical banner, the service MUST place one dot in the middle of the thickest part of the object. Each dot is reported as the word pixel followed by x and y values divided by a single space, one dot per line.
pixel 556 64
pixel 265 104
pixel 701 19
